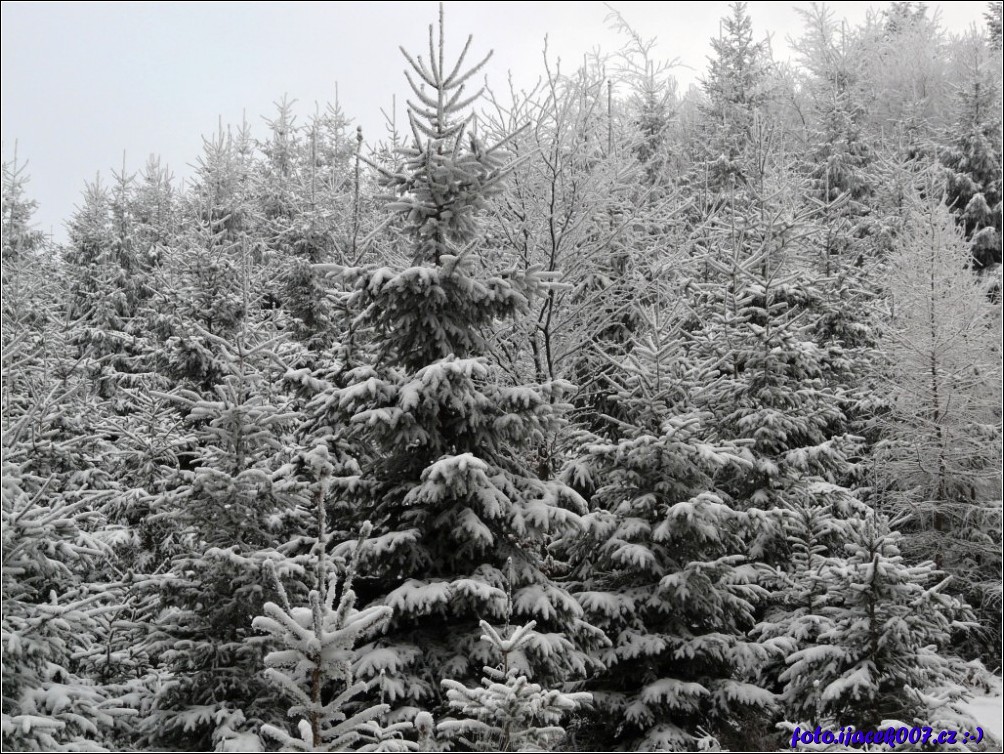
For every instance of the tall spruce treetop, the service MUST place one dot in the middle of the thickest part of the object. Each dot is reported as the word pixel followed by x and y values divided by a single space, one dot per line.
pixel 443 184
pixel 736 71
pixel 19 236
pixel 973 159
pixel 442 445
pixel 736 89
pixel 993 18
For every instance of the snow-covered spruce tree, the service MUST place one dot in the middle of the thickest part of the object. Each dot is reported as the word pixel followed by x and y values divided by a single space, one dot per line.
pixel 811 532
pixel 650 106
pixel 661 566
pixel 52 614
pixel 208 284
pixel 303 190
pixel 126 439
pixel 838 156
pixel 837 192
pixel 737 91
pixel 777 385
pixel 20 238
pixel 230 513
pixel 314 664
pixel 881 652
pixel 973 160
pixel 793 618
pixel 108 283
pixel 154 209
pixel 507 711
pixel 31 292
pixel 50 617
pixel 994 15
pixel 56 592
pixel 441 441
pixel 778 388
pixel 939 462
pixel 841 243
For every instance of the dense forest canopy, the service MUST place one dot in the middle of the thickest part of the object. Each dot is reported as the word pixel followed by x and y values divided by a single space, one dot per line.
pixel 599 416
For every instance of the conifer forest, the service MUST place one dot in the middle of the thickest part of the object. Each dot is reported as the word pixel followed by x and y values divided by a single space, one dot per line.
pixel 600 415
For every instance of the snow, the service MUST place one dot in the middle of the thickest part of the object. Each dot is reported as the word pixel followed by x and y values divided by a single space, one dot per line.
pixel 673 692
pixel 857 682
pixel 744 693
pixel 474 527
pixel 606 603
pixel 448 467
pixel 480 591
pixel 416 596
pixel 639 713
pixel 241 742
pixel 362 392
pixel 988 710
pixel 545 515
pixel 375 660
pixel 388 416
pixel 523 397
pixel 639 556
pixel 544 601
pixel 550 644
pixel 631 644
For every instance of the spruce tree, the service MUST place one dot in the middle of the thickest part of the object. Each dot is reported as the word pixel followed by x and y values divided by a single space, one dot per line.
pixel 20 237
pixel 440 439
pixel 993 16
pixel 880 654
pixel 154 208
pixel 303 176
pixel 217 489
pixel 507 712
pixel 737 90
pixel 973 159
pixel 661 566
pixel 51 617
pixel 108 285
pixel 54 601
pixel 315 665
pixel 233 514
pixel 781 386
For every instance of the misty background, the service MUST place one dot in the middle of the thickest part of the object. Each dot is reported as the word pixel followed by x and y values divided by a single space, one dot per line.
pixel 86 86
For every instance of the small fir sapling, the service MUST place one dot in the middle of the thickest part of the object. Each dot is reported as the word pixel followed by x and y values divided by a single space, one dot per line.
pixel 314 664
pixel 507 712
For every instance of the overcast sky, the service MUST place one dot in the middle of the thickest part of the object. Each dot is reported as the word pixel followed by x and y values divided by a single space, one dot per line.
pixel 84 83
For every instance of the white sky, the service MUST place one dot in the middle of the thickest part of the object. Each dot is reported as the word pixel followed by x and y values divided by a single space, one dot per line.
pixel 84 82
